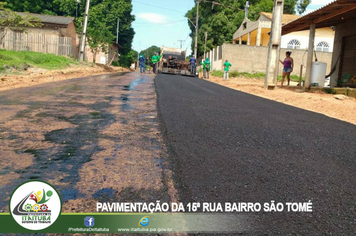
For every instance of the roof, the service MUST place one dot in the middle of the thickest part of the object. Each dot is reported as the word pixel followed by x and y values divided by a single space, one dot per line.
pixel 286 17
pixel 335 13
pixel 59 20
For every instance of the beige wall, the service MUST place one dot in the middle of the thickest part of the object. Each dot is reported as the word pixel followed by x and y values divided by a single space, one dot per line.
pixel 254 59
pixel 341 31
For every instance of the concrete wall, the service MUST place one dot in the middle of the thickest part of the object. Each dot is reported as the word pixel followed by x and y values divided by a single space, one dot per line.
pixel 341 31
pixel 217 65
pixel 254 59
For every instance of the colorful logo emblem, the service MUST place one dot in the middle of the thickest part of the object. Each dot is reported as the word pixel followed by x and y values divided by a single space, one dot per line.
pixel 35 205
pixel 89 221
pixel 144 221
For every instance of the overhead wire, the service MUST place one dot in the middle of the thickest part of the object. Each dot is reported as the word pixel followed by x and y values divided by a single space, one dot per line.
pixel 164 8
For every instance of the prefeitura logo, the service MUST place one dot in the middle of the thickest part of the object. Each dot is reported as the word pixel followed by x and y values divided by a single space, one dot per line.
pixel 35 205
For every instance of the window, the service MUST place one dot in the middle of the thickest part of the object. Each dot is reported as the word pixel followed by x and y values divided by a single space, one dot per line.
pixel 245 25
pixel 323 47
pixel 293 44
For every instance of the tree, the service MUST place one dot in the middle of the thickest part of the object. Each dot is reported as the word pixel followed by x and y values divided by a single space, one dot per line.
pixel 102 22
pixel 302 5
pixel 149 52
pixel 34 6
pixel 222 19
pixel 9 20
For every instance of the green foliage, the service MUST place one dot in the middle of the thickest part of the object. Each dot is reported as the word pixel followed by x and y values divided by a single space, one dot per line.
pixel 102 22
pixel 217 73
pixel 149 52
pixel 127 59
pixel 23 59
pixel 9 20
pixel 102 26
pixel 234 74
pixel 302 5
pixel 294 78
pixel 329 90
pixel 222 21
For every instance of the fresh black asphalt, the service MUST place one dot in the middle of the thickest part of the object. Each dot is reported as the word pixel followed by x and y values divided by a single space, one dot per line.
pixel 229 146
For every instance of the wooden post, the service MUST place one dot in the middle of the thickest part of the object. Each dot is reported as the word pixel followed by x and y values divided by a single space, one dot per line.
pixel 310 56
pixel 300 76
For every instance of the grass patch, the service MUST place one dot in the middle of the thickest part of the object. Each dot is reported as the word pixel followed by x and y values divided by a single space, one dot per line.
pixel 294 78
pixel 22 60
pixel 329 91
pixel 218 73
pixel 257 75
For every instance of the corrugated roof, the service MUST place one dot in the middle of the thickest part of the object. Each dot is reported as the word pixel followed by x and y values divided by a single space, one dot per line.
pixel 60 20
pixel 286 17
pixel 334 13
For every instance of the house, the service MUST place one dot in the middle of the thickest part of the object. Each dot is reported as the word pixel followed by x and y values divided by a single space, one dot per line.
pixel 57 35
pixel 256 33
pixel 340 15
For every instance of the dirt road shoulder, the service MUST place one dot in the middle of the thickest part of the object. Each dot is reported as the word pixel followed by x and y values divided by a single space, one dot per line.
pixel 34 76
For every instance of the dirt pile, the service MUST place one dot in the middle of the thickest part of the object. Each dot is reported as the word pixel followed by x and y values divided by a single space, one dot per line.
pixel 33 76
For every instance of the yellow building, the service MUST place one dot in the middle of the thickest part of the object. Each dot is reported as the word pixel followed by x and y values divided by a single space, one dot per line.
pixel 255 33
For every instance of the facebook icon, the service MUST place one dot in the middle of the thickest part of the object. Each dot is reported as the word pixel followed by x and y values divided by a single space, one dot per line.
pixel 89 221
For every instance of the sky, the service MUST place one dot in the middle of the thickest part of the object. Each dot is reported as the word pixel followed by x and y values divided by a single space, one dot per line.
pixel 316 4
pixel 162 22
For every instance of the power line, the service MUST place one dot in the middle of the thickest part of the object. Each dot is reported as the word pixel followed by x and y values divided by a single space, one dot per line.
pixel 158 7
pixel 159 24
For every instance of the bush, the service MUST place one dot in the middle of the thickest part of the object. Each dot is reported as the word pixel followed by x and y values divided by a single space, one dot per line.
pixel 217 73
pixel 115 63
pixel 329 91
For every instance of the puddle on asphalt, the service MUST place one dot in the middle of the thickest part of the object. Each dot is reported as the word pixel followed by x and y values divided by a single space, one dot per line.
pixel 160 164
pixel 133 84
pixel 125 105
pixel 124 97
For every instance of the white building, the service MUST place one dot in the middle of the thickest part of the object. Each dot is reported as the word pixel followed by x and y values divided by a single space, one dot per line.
pixel 256 33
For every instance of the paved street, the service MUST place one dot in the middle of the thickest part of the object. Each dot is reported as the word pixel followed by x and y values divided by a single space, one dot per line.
pixel 93 138
pixel 99 139
pixel 229 146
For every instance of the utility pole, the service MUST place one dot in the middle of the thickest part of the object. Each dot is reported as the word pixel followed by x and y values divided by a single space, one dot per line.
pixel 206 37
pixel 181 42
pixel 117 31
pixel 76 8
pixel 196 30
pixel 274 46
pixel 82 45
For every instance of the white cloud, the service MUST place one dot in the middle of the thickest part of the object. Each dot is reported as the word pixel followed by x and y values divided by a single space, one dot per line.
pixel 152 17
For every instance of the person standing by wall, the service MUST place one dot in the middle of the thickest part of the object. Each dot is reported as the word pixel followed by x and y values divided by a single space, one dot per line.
pixel 206 68
pixel 288 65
pixel 142 61
pixel 227 66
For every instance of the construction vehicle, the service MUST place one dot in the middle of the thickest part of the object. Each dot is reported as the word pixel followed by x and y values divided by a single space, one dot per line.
pixel 173 62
